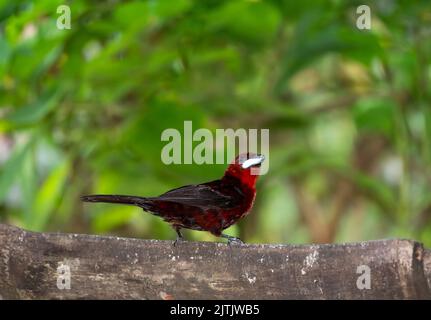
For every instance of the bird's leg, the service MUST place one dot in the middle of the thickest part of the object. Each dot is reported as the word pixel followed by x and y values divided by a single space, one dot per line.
pixel 231 239
pixel 179 235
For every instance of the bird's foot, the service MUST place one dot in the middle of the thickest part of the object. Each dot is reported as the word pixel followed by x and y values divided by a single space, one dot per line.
pixel 180 237
pixel 177 241
pixel 232 240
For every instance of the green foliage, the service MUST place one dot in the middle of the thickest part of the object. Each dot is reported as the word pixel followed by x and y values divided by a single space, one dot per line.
pixel 82 111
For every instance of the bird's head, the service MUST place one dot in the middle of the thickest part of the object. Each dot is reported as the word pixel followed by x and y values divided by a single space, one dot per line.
pixel 245 167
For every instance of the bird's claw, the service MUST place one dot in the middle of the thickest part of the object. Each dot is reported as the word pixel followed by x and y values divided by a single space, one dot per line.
pixel 178 240
pixel 180 237
pixel 232 240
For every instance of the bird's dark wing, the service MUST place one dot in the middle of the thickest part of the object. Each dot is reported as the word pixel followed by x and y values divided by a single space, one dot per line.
pixel 200 195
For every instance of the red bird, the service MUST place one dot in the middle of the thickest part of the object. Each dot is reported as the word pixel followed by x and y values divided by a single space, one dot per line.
pixel 212 206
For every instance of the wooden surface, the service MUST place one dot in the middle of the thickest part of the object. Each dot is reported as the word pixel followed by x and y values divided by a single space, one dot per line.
pixel 122 268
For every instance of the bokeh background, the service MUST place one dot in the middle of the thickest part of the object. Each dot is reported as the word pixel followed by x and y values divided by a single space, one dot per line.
pixel 82 111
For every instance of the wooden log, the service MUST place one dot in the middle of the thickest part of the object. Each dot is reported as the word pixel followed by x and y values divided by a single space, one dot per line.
pixel 74 266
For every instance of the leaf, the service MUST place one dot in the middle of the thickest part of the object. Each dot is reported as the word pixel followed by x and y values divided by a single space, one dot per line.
pixel 27 183
pixel 377 191
pixel 325 37
pixel 13 168
pixel 113 217
pixel 49 196
pixel 48 61
pixel 167 9
pixel 33 112
pixel 5 51
pixel 250 21
pixel 375 115
pixel 132 15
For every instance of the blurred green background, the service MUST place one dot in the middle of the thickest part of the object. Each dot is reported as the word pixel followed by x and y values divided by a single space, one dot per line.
pixel 82 111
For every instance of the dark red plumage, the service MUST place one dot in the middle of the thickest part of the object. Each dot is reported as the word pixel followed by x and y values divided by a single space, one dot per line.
pixel 212 206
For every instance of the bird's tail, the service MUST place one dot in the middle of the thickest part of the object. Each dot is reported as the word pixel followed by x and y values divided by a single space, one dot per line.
pixel 131 200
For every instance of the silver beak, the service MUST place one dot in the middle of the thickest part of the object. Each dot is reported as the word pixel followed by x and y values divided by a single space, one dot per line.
pixel 253 161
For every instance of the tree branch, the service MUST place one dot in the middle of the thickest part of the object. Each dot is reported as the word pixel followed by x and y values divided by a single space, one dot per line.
pixel 34 266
